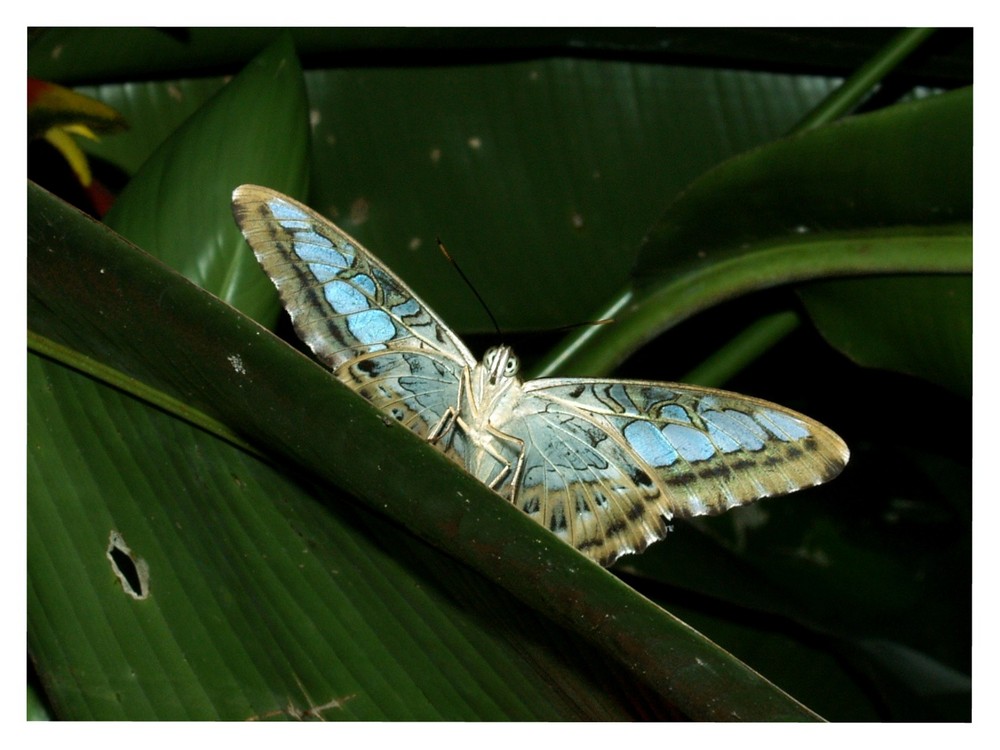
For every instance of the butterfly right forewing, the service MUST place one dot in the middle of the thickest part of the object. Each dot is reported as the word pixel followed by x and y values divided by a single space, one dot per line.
pixel 608 463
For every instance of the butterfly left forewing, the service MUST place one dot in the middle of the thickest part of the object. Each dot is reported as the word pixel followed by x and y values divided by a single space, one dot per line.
pixel 621 458
pixel 358 317
pixel 343 301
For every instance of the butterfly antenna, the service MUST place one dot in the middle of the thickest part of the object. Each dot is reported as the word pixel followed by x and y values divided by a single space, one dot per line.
pixel 469 284
pixel 584 324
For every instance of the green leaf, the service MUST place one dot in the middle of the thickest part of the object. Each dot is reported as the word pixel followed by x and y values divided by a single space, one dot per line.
pixel 38 710
pixel 176 206
pixel 535 187
pixel 262 602
pixel 919 325
pixel 907 167
pixel 887 192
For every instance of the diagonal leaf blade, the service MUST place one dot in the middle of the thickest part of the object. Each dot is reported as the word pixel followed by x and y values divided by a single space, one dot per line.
pixel 261 603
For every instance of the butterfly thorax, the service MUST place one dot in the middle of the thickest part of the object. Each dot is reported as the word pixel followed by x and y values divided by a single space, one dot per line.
pixel 492 389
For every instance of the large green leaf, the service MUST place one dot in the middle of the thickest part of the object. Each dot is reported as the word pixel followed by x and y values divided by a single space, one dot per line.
pixel 176 206
pixel 888 192
pixel 902 171
pixel 261 602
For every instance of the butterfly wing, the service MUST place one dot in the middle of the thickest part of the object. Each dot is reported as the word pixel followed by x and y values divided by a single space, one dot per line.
pixel 373 332
pixel 607 464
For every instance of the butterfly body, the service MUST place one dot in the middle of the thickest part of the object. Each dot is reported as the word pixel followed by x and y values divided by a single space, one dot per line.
pixel 488 394
pixel 603 464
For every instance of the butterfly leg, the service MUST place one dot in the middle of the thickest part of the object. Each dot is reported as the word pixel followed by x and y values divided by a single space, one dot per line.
pixel 443 425
pixel 450 416
pixel 514 469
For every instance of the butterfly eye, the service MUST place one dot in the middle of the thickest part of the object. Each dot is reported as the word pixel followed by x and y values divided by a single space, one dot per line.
pixel 489 357
pixel 511 367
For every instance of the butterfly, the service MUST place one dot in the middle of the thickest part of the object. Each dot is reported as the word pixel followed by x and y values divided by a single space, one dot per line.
pixel 603 464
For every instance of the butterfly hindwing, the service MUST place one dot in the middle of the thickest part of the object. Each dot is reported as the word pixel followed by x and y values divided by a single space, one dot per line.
pixel 413 387
pixel 582 484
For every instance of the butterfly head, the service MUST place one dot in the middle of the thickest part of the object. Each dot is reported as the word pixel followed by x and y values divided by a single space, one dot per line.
pixel 500 362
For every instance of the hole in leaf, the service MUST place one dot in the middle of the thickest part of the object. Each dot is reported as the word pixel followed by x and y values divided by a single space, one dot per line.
pixel 132 572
